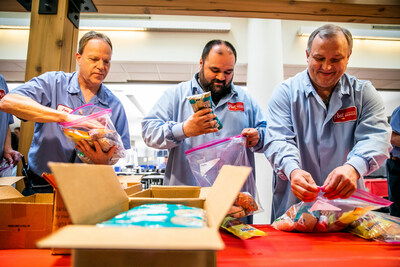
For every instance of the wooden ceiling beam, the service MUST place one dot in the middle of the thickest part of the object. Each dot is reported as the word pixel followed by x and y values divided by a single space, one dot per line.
pixel 350 11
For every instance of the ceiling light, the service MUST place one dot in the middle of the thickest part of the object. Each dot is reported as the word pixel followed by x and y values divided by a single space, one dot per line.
pixel 363 34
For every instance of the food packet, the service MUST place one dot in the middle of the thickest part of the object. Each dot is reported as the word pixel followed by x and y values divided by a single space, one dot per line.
pixel 106 136
pixel 239 229
pixel 324 215
pixel 159 216
pixel 6 169
pixel 243 206
pixel 201 101
pixel 378 226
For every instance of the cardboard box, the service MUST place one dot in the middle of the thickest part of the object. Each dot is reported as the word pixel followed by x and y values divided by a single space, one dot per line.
pixel 130 180
pixel 5 181
pixel 61 216
pixel 98 197
pixel 24 220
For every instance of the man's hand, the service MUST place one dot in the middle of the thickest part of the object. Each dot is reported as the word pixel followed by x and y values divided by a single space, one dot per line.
pixel 303 185
pixel 96 155
pixel 252 136
pixel 12 156
pixel 86 124
pixel 341 182
pixel 199 123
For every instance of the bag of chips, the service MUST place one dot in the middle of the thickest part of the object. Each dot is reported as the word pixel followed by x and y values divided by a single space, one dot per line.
pixel 203 101
pixel 378 226
pixel 207 159
pixel 94 125
pixel 239 229
pixel 324 215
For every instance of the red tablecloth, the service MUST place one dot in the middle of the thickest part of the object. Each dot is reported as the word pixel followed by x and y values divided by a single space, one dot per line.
pixel 276 249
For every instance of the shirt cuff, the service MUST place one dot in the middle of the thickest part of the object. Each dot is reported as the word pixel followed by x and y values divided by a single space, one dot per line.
pixel 288 168
pixel 360 164
pixel 177 132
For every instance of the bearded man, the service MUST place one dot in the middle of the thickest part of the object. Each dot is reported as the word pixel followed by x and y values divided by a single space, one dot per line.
pixel 171 124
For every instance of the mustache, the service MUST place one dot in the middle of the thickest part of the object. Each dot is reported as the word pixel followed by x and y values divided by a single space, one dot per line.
pixel 219 81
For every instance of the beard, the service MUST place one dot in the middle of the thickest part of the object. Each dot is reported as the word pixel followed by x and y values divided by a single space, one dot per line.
pixel 217 91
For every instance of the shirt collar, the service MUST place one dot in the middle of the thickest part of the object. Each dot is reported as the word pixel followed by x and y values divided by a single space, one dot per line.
pixel 340 86
pixel 75 88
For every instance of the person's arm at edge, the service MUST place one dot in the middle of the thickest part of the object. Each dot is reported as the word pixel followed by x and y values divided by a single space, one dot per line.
pixel 27 109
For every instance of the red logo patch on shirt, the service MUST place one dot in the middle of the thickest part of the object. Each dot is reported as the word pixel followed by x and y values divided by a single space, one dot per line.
pixel 238 106
pixel 2 93
pixel 346 114
pixel 64 108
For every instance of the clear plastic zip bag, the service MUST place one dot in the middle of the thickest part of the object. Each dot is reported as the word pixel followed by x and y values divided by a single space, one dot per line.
pixel 207 159
pixel 324 215
pixel 94 125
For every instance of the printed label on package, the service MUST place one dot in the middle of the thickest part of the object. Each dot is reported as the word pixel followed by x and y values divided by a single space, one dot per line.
pixel 64 108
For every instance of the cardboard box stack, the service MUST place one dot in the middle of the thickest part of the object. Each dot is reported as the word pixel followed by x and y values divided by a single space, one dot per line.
pixel 23 220
pixel 92 196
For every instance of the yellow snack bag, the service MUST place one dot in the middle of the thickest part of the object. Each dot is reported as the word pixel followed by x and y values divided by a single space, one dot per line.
pixel 239 229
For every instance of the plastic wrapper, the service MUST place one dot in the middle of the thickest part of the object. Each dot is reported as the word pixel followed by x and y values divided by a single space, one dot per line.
pixel 203 101
pixel 158 216
pixel 324 215
pixel 6 169
pixel 207 159
pixel 94 125
pixel 378 226
pixel 239 229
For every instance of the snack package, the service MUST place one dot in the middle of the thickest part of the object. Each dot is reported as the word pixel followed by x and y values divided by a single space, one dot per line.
pixel 158 216
pixel 203 101
pixel 239 229
pixel 324 215
pixel 6 169
pixel 95 125
pixel 378 226
pixel 207 159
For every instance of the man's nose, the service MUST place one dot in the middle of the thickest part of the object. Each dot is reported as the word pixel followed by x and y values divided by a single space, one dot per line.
pixel 326 65
pixel 221 76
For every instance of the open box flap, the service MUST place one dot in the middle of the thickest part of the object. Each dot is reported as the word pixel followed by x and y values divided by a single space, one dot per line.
pixel 7 192
pixel 91 193
pixel 224 191
pixel 10 180
pixel 89 237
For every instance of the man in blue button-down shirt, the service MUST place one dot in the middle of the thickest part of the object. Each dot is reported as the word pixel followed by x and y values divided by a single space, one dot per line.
pixel 393 164
pixel 324 127
pixel 172 124
pixel 48 99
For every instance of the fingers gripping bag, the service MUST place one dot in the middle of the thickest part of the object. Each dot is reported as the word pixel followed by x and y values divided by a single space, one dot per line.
pixel 324 215
pixel 94 125
pixel 207 159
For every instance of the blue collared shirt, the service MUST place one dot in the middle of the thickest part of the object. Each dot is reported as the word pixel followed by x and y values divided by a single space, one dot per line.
pixel 162 127
pixel 5 118
pixel 395 123
pixel 57 90
pixel 302 133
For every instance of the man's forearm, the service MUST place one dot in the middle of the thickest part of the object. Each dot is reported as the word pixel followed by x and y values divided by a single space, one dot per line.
pixel 27 109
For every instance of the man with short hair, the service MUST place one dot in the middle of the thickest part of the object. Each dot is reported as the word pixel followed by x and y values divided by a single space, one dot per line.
pixel 325 128
pixel 171 124
pixel 48 99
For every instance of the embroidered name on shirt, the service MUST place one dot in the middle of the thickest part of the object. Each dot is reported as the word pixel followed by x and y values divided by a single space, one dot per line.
pixel 238 106
pixel 346 114
pixel 2 93
pixel 64 108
